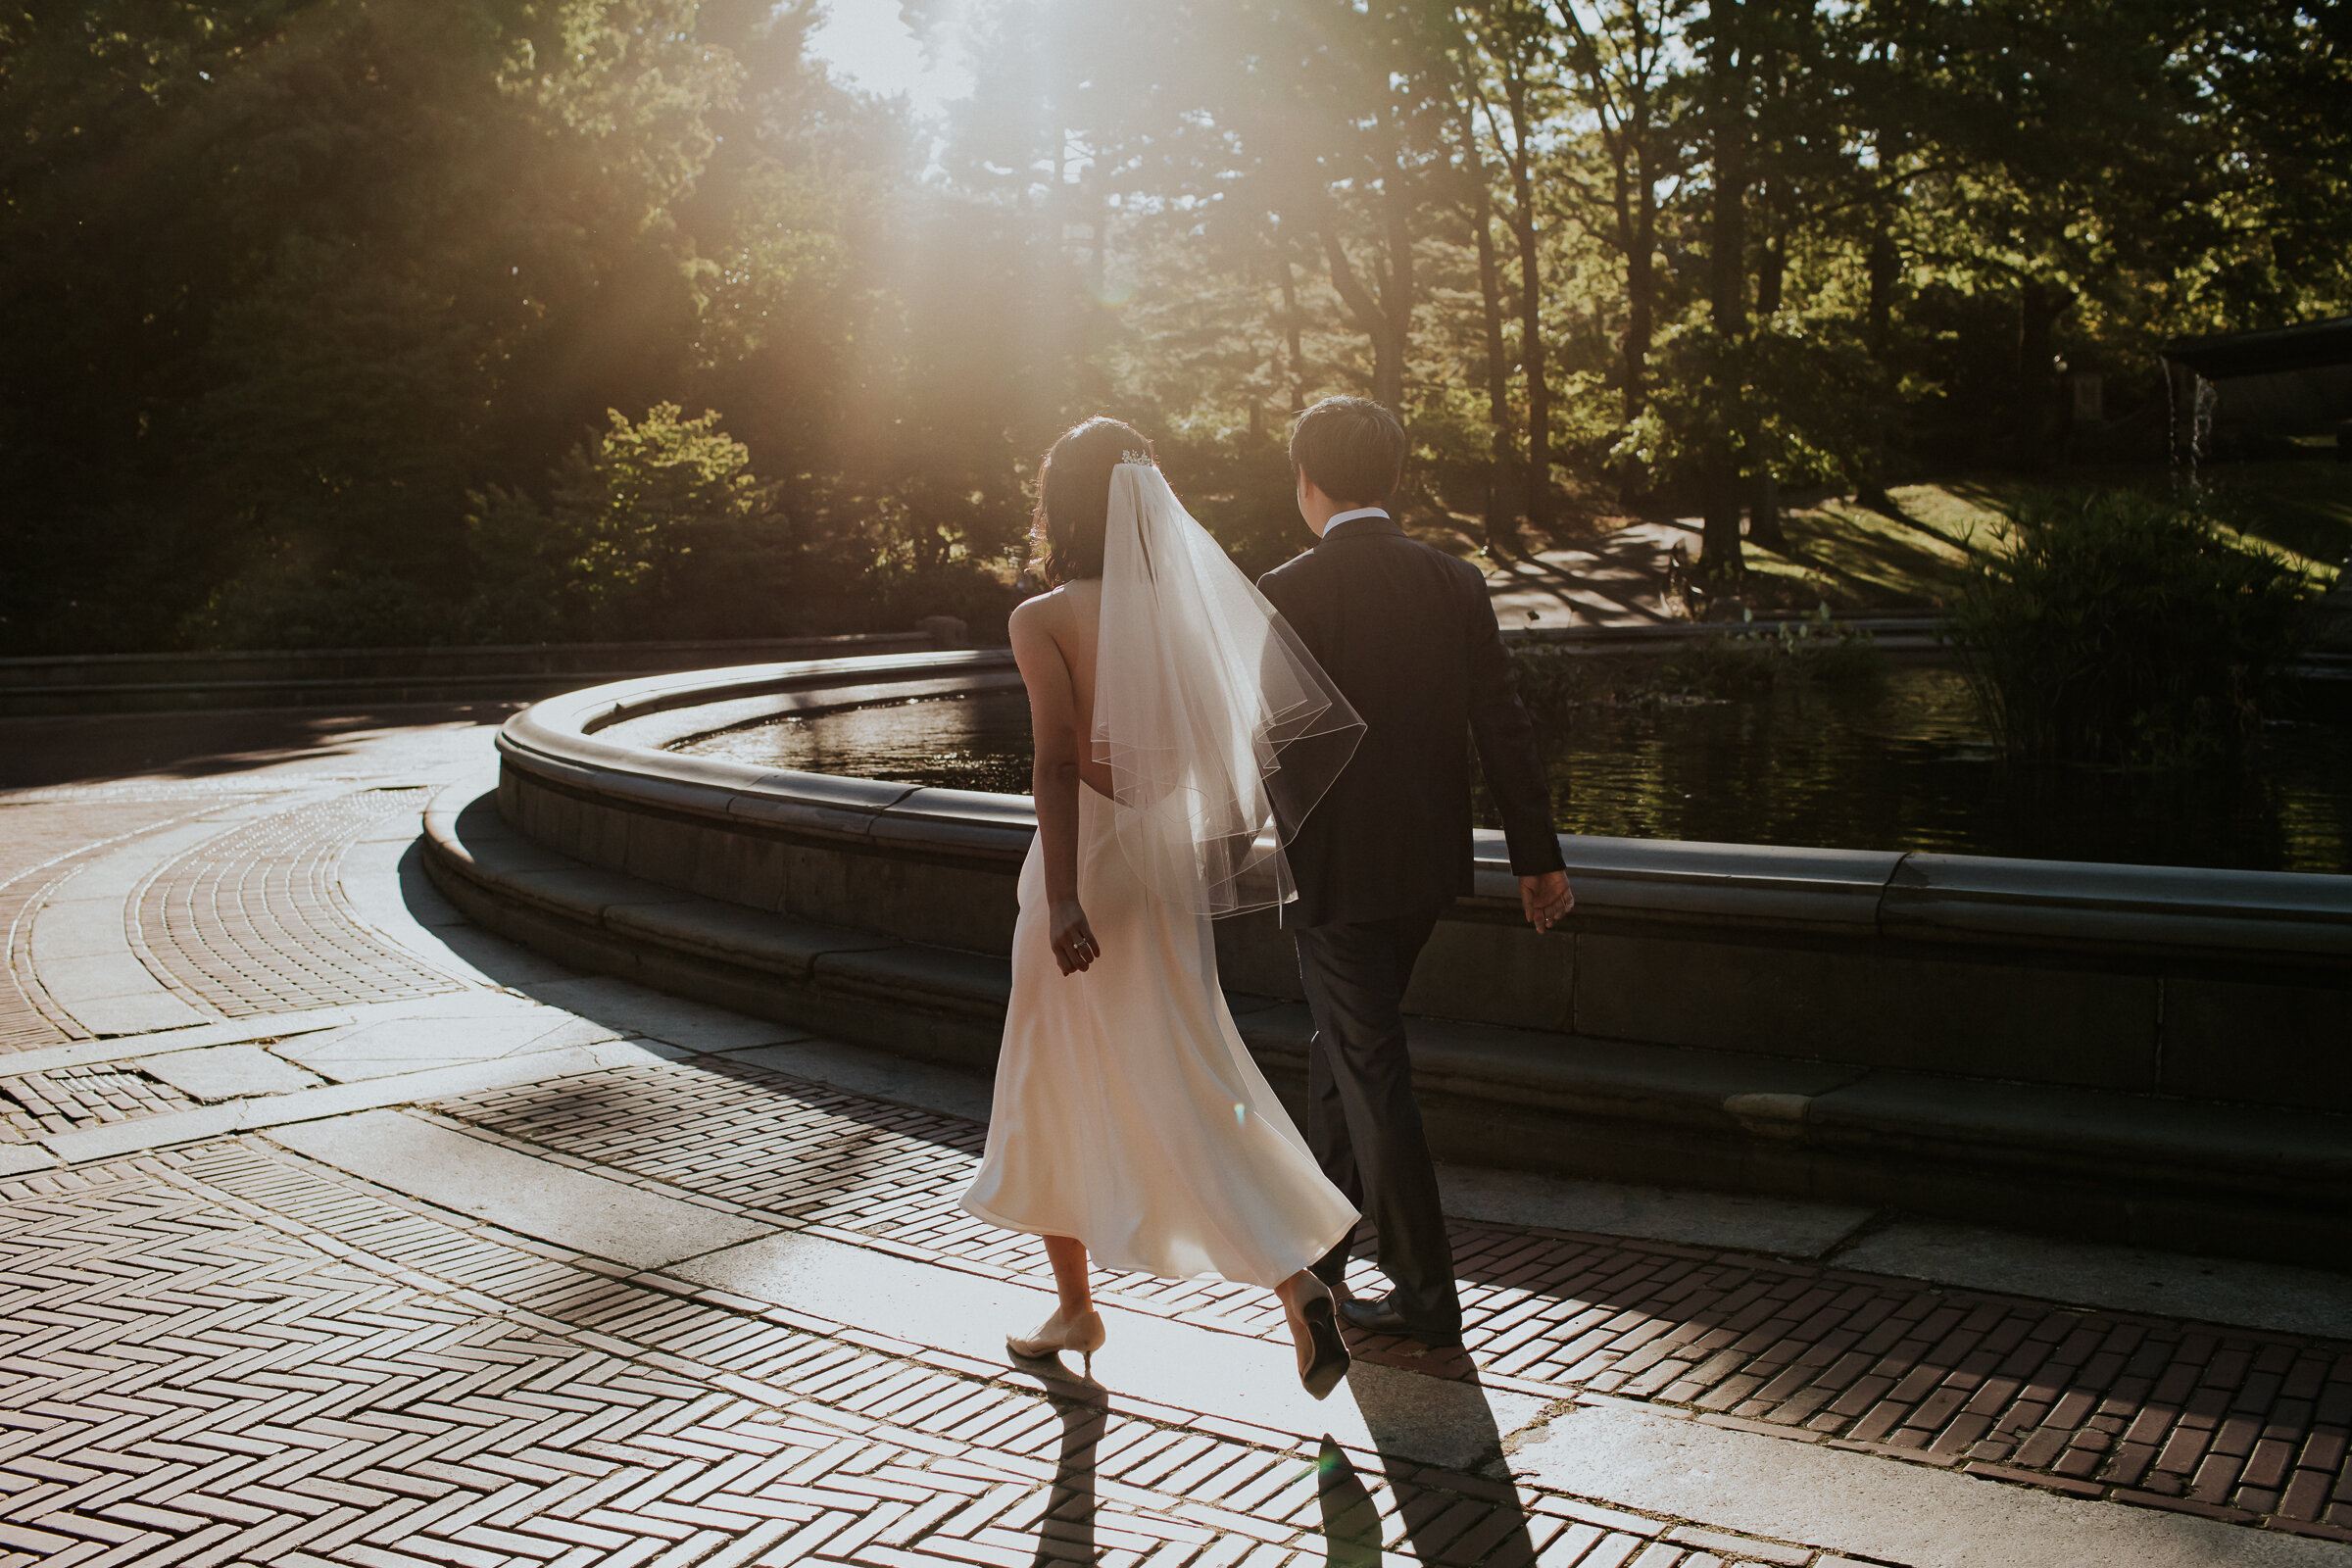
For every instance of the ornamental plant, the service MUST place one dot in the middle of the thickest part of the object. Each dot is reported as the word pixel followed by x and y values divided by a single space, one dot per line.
pixel 2125 628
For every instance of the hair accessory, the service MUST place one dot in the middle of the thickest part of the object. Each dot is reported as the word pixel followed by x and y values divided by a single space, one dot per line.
pixel 1134 457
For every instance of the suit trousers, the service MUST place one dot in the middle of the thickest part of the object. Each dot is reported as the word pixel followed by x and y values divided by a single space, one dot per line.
pixel 1362 1122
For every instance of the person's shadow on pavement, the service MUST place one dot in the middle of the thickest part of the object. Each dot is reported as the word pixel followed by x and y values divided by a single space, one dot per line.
pixel 1420 1424
pixel 1065 1532
pixel 1352 1530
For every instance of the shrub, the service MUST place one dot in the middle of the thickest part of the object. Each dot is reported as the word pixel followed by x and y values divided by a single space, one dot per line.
pixel 2124 627
pixel 1721 664
pixel 1754 658
pixel 1552 679
pixel 285 603
pixel 660 528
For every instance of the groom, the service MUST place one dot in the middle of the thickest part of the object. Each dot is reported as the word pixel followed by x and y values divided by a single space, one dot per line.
pixel 1409 633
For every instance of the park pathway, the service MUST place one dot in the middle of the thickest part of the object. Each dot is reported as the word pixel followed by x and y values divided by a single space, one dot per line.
pixel 335 1230
pixel 1618 579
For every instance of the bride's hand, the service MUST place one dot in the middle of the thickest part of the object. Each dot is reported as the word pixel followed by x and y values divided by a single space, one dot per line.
pixel 1074 944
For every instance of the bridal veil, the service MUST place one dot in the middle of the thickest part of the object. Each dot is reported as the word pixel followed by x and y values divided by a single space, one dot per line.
pixel 1220 730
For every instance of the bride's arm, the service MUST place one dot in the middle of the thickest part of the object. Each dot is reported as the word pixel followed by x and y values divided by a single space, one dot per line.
pixel 1054 780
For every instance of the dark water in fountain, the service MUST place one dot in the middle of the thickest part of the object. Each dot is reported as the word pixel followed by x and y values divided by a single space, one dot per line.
pixel 1902 764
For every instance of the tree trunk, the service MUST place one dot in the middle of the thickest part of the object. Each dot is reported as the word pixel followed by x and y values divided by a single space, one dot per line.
pixel 1362 306
pixel 1501 534
pixel 1772 272
pixel 1764 516
pixel 1290 318
pixel 2038 308
pixel 1386 319
pixel 1727 277
pixel 1531 304
pixel 1640 299
pixel 1397 296
pixel 1882 266
pixel 1641 292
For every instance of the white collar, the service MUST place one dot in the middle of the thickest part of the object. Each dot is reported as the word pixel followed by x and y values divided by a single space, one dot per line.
pixel 1350 517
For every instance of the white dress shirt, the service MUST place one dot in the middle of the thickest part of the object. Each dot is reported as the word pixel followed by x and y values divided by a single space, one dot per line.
pixel 1340 518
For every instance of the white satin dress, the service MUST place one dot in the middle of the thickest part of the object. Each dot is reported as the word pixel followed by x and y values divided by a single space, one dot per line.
pixel 1128 1112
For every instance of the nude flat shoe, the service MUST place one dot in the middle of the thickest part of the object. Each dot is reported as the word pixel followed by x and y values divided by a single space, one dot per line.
pixel 1084 1334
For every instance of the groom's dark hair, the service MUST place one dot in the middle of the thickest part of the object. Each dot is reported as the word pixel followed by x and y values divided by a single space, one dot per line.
pixel 1352 448
pixel 1073 496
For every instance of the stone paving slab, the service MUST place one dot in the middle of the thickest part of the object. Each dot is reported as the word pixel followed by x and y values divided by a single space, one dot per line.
pixel 2276 1296
pixel 148 1046
pixel 227 1072
pixel 534 1197
pixel 634 1010
pixel 115 994
pixel 1754 1223
pixel 201 1123
pixel 442 1031
pixel 1906 1513
pixel 1167 1361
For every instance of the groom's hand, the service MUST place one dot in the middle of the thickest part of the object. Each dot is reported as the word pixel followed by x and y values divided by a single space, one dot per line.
pixel 1546 899
pixel 1074 944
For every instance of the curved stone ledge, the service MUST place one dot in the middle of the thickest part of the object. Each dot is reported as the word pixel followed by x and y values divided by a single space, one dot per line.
pixel 602 736
pixel 2211 984
pixel 2117 1166
pixel 2142 1053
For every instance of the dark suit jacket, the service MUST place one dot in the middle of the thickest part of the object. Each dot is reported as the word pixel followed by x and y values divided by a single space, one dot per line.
pixel 1409 633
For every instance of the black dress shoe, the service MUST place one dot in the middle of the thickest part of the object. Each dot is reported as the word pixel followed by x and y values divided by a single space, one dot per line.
pixel 1381 1316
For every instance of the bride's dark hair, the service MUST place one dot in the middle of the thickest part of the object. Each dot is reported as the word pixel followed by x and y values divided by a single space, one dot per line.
pixel 1073 496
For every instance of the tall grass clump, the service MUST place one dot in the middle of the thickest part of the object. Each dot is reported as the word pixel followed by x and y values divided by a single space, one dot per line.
pixel 1755 657
pixel 2124 627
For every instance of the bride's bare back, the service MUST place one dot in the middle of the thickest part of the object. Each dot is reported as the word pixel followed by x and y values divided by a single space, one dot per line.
pixel 1054 638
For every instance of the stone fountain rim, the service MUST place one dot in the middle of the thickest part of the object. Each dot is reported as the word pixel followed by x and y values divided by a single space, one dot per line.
pixel 2289 917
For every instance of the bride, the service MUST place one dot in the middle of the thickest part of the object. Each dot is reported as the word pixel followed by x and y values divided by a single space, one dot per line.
pixel 1177 718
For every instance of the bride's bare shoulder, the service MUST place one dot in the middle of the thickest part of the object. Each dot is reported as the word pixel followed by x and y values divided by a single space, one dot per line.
pixel 1058 609
pixel 1044 617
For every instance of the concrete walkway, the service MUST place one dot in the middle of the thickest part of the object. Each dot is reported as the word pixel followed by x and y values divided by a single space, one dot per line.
pixel 334 1231
pixel 1618 580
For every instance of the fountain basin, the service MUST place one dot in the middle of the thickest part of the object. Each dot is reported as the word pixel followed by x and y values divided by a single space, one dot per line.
pixel 2139 1053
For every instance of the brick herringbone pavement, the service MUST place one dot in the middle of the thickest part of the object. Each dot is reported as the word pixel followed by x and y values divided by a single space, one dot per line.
pixel 44 835
pixel 226 1354
pixel 250 922
pixel 232 1355
pixel 2234 1423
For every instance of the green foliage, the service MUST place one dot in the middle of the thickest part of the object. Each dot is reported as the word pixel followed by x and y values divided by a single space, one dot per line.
pixel 1554 681
pixel 1800 399
pixel 296 288
pixel 2123 627
pixel 1757 656
pixel 657 528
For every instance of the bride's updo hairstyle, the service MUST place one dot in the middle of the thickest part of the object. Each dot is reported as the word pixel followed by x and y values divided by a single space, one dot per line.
pixel 1073 498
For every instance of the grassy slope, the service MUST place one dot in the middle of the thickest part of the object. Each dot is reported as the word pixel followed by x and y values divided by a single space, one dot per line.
pixel 1916 559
